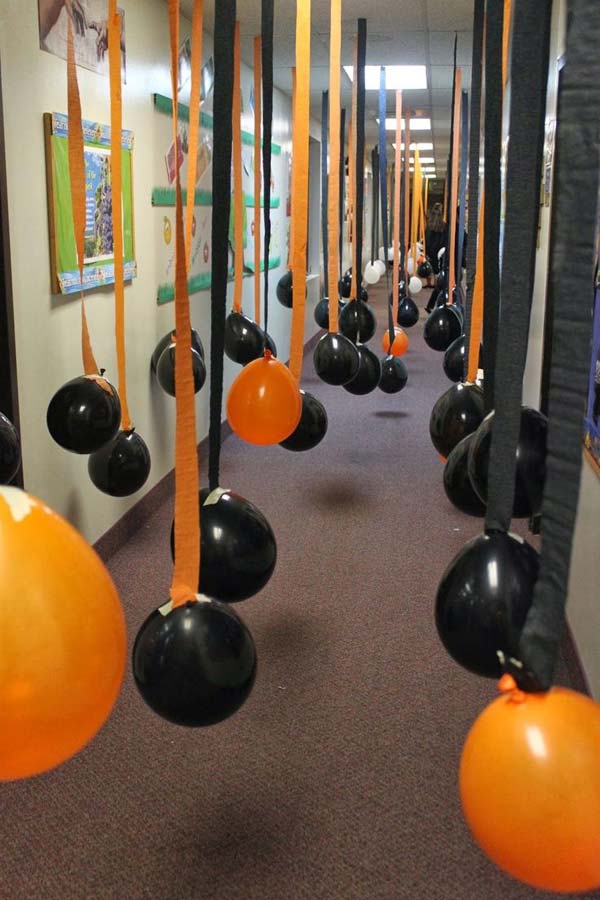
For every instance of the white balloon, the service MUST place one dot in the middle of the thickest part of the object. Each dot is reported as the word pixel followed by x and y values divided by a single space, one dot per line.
pixel 372 273
pixel 382 254
pixel 415 285
pixel 391 254
pixel 410 266
pixel 380 266
pixel 441 252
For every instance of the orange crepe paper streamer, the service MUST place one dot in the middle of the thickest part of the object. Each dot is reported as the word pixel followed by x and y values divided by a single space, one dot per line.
pixel 454 189
pixel 238 191
pixel 77 179
pixel 425 217
pixel 356 275
pixel 406 186
pixel 116 121
pixel 335 55
pixel 398 172
pixel 194 122
pixel 350 192
pixel 186 570
pixel 446 199
pixel 300 186
pixel 416 209
pixel 257 172
pixel 292 198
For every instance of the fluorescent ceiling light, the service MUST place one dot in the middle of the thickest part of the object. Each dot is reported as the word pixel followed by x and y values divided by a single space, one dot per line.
pixel 425 146
pixel 397 78
pixel 427 160
pixel 415 124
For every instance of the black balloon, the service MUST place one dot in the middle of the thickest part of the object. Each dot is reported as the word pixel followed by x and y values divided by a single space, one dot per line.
pixel 237 550
pixel 311 428
pixel 322 312
pixel 455 358
pixel 122 466
pixel 285 290
pixel 364 296
pixel 457 413
pixel 440 281
pixel 483 600
pixel 369 373
pixel 345 285
pixel 168 339
pixel 442 327
pixel 245 340
pixel 84 414
pixel 531 461
pixel 10 450
pixel 408 312
pixel 165 370
pixel 457 483
pixel 425 270
pixel 393 375
pixel 336 359
pixel 358 322
pixel 196 664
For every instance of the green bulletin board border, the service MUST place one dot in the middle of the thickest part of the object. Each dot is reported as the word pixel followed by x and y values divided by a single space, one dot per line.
pixel 166 197
pixel 202 282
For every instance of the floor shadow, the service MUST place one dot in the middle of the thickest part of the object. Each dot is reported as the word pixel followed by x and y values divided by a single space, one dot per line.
pixel 390 414
pixel 330 496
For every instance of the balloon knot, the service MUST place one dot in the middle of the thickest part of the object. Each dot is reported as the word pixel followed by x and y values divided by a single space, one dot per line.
pixel 268 354
pixel 508 685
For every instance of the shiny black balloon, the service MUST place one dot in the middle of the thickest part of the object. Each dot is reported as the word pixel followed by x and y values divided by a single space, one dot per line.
pixel 457 413
pixel 122 466
pixel 531 461
pixel 358 322
pixel 195 665
pixel 440 281
pixel 369 373
pixel 238 549
pixel 165 370
pixel 245 340
pixel 393 375
pixel 408 313
pixel 312 427
pixel 457 309
pixel 321 313
pixel 455 358
pixel 168 339
pixel 10 450
pixel 364 296
pixel 84 414
pixel 425 270
pixel 336 359
pixel 457 483
pixel 285 290
pixel 345 286
pixel 442 328
pixel 483 600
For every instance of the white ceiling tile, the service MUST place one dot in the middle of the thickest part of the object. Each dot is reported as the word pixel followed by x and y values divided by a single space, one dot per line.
pixel 441 48
pixel 444 15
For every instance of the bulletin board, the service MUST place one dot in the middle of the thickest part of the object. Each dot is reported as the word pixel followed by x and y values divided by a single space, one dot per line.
pixel 169 155
pixel 99 259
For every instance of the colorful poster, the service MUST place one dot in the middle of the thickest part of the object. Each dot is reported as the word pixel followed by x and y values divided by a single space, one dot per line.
pixel 592 419
pixel 90 32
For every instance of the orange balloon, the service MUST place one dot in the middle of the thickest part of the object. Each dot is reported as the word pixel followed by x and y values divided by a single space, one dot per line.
pixel 399 344
pixel 62 638
pixel 530 787
pixel 264 404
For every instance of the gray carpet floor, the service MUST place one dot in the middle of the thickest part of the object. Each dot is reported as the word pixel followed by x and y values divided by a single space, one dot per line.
pixel 338 778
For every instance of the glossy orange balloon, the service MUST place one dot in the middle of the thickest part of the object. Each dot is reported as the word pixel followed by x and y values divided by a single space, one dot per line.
pixel 62 638
pixel 399 344
pixel 264 404
pixel 530 787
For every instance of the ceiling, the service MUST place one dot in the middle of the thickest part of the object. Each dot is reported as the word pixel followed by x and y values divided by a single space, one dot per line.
pixel 398 32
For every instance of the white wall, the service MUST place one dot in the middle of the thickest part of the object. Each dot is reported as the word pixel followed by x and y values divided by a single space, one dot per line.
pixel 48 327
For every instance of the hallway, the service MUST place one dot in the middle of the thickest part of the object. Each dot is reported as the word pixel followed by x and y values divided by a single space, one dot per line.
pixel 338 777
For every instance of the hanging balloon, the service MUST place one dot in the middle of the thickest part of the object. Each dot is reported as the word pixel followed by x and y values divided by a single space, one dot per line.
pixel 457 483
pixel 245 340
pixel 311 428
pixel 165 370
pixel 358 322
pixel 372 273
pixel 394 375
pixel 380 264
pixel 238 551
pixel 442 328
pixel 321 313
pixel 122 466
pixel 415 285
pixel 368 375
pixel 399 344
pixel 194 665
pixel 285 290
pixel 167 339
pixel 336 359
pixel 531 461
pixel 530 787
pixel 408 312
pixel 84 414
pixel 410 265
pixel 483 600
pixel 345 286
pixel 364 296
pixel 425 270
pixel 10 450
pixel 457 413
pixel 454 359
pixel 63 638
pixel 264 403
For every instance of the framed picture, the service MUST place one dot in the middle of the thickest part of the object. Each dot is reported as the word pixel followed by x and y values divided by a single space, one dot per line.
pixel 99 259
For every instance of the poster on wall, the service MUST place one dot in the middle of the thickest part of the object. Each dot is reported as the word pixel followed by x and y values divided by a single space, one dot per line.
pixel 98 260
pixel 90 32
pixel 592 419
